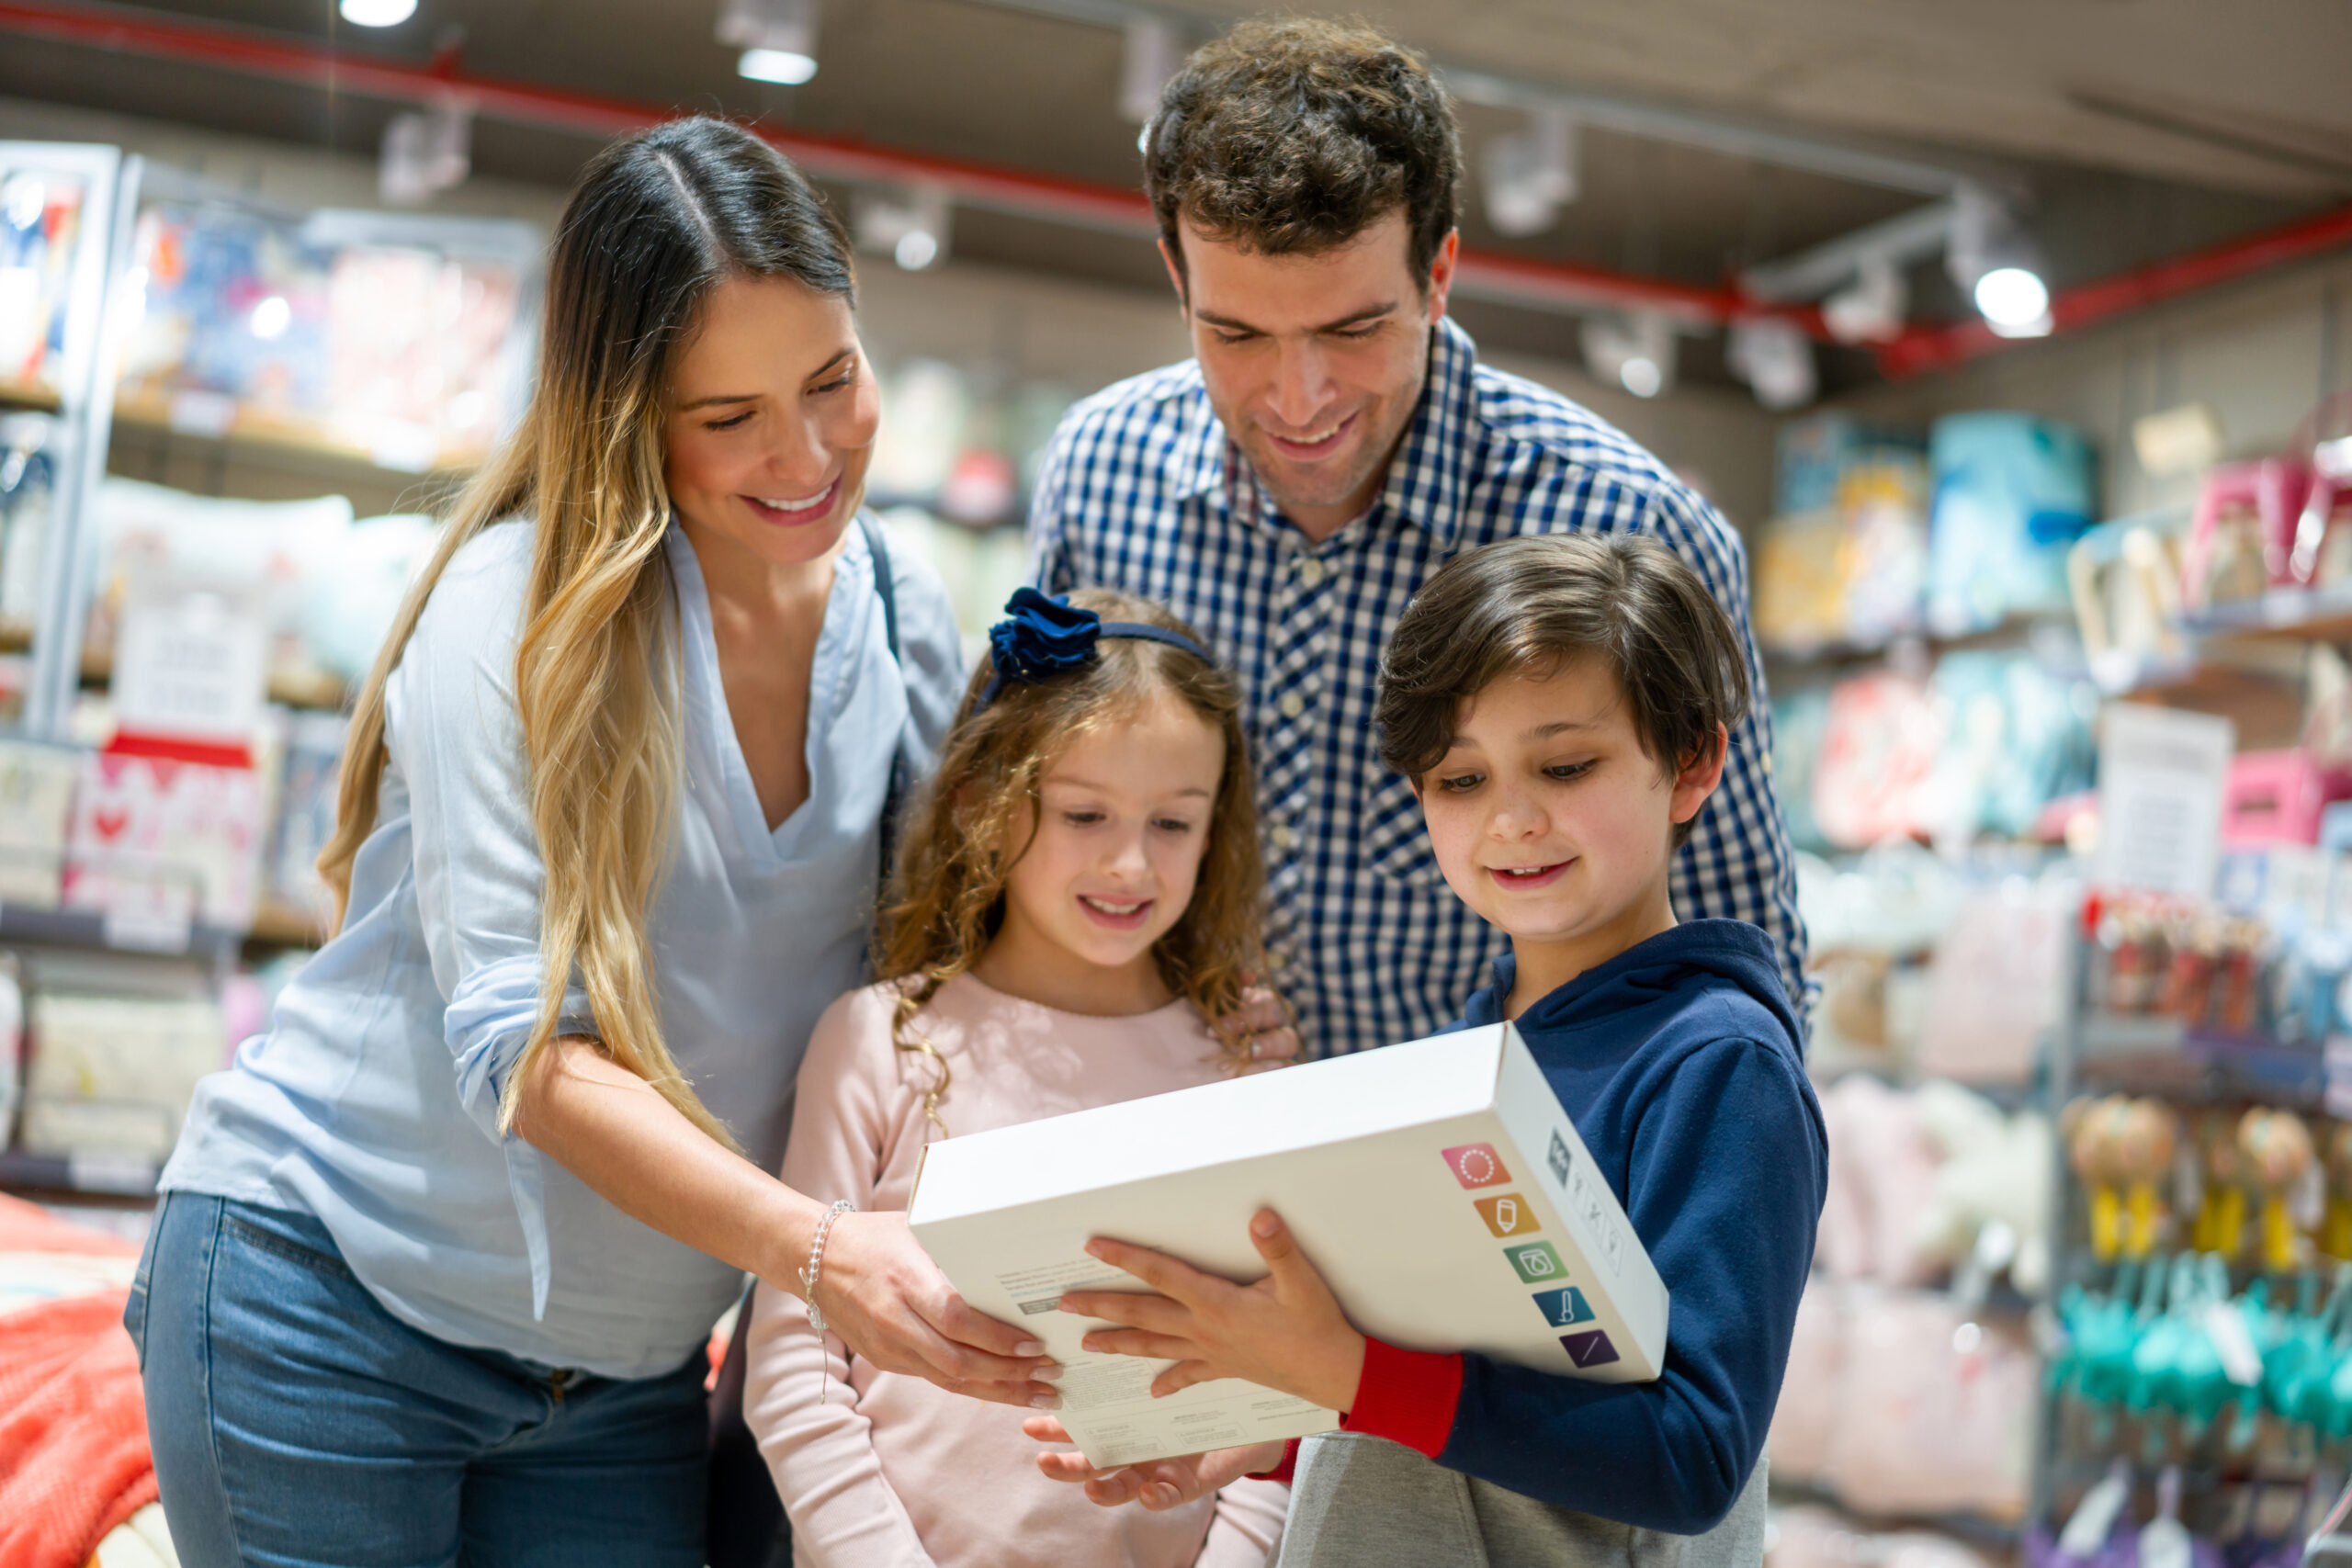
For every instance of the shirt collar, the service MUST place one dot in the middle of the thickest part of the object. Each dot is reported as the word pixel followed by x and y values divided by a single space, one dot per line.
pixel 1426 478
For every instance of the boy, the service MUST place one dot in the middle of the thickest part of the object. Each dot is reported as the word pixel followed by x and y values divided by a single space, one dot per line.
pixel 1562 705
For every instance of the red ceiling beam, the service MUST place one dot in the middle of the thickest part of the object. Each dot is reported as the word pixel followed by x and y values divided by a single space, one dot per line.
pixel 1118 208
pixel 1921 349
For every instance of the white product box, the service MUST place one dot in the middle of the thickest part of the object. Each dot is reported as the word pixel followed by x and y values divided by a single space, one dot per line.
pixel 1438 1186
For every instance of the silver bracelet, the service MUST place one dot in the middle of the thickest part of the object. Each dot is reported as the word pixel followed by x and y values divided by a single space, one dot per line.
pixel 817 1259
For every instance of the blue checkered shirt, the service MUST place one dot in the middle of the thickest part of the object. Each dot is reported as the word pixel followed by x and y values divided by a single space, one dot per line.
pixel 1142 491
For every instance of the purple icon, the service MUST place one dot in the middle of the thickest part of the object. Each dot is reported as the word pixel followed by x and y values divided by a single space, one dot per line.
pixel 1590 1348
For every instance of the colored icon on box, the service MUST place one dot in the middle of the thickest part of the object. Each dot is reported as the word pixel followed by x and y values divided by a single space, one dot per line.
pixel 1536 1262
pixel 1508 1215
pixel 1475 1165
pixel 1590 1348
pixel 1563 1309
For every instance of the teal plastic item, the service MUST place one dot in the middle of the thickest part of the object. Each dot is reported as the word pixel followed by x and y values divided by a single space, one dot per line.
pixel 2012 493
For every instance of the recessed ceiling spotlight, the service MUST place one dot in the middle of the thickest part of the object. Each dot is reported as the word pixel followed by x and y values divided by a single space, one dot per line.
pixel 787 66
pixel 377 13
pixel 2014 301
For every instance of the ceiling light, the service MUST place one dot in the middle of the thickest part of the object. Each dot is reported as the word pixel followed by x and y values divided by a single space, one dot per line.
pixel 377 13
pixel 911 227
pixel 1772 356
pixel 778 39
pixel 270 319
pixel 1529 174
pixel 1637 353
pixel 1870 309
pixel 1152 54
pixel 425 153
pixel 784 66
pixel 916 249
pixel 2014 301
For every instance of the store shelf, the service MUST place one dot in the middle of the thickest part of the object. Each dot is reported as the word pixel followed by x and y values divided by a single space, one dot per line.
pixel 2008 634
pixel 2162 1056
pixel 29 395
pixel 218 420
pixel 292 688
pixel 2283 615
pixel 91 932
pixel 112 1176
pixel 283 925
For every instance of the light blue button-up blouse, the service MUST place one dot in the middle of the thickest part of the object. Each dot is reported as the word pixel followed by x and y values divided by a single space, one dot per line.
pixel 372 1102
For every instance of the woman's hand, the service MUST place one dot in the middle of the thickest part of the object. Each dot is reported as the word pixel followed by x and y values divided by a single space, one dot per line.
pixel 882 1293
pixel 1159 1485
pixel 1262 1020
pixel 1285 1332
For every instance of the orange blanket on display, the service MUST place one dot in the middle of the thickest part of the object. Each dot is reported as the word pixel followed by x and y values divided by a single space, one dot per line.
pixel 73 1456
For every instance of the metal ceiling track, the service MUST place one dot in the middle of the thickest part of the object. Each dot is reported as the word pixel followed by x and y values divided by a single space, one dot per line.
pixel 1514 280
pixel 1510 279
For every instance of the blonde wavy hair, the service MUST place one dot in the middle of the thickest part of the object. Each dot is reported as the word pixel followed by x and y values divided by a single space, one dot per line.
pixel 945 899
pixel 656 222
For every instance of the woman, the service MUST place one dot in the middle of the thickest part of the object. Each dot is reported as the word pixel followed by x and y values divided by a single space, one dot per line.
pixel 440 1253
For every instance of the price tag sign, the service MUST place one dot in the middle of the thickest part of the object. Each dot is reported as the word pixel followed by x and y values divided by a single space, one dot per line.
pixel 2161 777
pixel 191 665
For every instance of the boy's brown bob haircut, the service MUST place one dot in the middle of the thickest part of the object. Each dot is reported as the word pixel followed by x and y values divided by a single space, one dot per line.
pixel 1529 606
pixel 1290 136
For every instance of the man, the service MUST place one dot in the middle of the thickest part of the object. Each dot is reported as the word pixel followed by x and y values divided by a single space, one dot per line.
pixel 1333 443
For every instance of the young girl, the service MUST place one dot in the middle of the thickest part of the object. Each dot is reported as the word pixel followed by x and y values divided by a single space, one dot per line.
pixel 1077 899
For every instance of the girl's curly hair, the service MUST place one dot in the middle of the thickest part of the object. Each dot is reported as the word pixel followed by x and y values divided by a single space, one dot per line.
pixel 945 899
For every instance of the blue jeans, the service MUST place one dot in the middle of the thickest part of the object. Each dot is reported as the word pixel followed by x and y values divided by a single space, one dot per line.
pixel 295 1421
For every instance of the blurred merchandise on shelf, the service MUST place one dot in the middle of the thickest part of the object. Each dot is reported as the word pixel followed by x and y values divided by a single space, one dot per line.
pixel 165 844
pixel 1878 747
pixel 980 567
pixel 306 804
pixel 284 555
pixel 1904 1400
pixel 28 494
pixel 2012 494
pixel 962 445
pixel 1813 455
pixel 1810 1535
pixel 348 611
pixel 112 1069
pixel 2124 580
pixel 12 1043
pixel 402 341
pixel 1852 572
pixel 36 802
pixel 1996 985
pixel 41 226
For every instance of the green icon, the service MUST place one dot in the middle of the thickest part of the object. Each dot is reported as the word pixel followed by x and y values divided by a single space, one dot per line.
pixel 1536 1262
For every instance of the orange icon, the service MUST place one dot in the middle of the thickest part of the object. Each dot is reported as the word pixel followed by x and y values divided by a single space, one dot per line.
pixel 1506 1215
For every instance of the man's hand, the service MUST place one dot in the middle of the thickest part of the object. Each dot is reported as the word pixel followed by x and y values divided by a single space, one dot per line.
pixel 1159 1485
pixel 1265 1022
pixel 1284 1332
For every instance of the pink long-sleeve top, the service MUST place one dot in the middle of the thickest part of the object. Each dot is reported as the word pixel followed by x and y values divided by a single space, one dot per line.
pixel 888 1471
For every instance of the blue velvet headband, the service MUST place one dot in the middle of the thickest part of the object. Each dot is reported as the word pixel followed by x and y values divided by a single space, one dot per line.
pixel 1041 638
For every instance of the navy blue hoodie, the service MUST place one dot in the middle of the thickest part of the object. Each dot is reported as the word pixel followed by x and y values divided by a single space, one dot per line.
pixel 1678 1062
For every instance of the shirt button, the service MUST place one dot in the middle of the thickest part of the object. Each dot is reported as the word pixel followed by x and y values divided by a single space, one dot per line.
pixel 1310 571
pixel 1292 704
pixel 1286 837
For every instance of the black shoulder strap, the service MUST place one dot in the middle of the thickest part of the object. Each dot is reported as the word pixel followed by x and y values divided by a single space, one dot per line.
pixel 887 590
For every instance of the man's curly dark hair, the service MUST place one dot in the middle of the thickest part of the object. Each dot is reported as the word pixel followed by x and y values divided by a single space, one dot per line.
pixel 1291 136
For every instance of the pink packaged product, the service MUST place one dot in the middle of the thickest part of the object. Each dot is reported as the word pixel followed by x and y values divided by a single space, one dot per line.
pixel 2276 797
pixel 156 840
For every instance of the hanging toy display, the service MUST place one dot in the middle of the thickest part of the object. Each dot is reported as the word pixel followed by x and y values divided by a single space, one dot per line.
pixel 2092 1131
pixel 2335 1229
pixel 2147 1133
pixel 2277 1150
pixel 2220 1226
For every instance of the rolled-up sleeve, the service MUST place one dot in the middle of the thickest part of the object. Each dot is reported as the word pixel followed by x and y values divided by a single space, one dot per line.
pixel 452 730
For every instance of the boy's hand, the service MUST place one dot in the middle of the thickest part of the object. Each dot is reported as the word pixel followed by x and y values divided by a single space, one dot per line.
pixel 1161 1484
pixel 1284 1332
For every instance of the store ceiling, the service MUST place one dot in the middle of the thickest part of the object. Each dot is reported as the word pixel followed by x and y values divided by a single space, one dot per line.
pixel 2136 128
